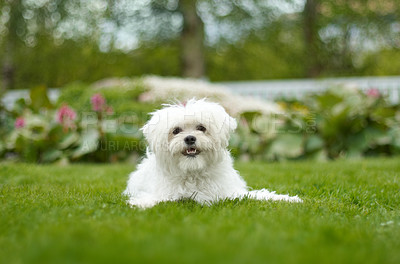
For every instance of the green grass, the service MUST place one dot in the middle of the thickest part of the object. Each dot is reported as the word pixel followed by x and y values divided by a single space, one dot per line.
pixel 75 214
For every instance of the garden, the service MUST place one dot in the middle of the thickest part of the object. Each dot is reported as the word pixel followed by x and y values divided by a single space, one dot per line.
pixel 65 164
pixel 65 159
pixel 101 122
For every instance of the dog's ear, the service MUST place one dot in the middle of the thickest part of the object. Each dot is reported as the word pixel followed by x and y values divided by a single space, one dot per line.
pixel 232 124
pixel 149 127
pixel 145 129
pixel 151 131
pixel 229 124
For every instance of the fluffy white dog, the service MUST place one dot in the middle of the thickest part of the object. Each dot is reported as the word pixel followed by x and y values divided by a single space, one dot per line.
pixel 187 157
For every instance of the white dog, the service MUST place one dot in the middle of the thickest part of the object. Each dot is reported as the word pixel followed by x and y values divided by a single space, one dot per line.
pixel 187 157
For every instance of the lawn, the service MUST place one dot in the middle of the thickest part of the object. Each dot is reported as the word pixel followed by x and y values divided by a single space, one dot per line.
pixel 76 214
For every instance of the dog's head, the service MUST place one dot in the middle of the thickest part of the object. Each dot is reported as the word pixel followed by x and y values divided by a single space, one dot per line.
pixel 191 135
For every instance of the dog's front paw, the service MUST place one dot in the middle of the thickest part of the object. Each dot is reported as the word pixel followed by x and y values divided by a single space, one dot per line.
pixel 142 203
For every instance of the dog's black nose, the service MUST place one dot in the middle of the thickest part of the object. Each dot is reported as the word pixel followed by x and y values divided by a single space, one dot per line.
pixel 190 140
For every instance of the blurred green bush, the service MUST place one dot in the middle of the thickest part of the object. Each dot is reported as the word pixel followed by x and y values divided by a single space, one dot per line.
pixel 100 123
pixel 72 130
pixel 340 122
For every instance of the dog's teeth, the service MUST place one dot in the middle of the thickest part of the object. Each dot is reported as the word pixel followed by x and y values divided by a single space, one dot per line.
pixel 191 151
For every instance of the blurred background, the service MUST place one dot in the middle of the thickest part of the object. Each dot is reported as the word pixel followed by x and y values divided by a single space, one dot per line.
pixel 53 42
pixel 106 57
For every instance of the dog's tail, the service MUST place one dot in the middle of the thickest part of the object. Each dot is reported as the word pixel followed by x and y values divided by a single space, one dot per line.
pixel 264 194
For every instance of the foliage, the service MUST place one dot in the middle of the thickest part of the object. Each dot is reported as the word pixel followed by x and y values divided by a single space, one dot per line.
pixel 57 65
pixel 122 95
pixel 44 135
pixel 120 127
pixel 55 42
pixel 101 122
pixel 354 123
pixel 384 62
pixel 82 126
pixel 340 122
pixel 76 214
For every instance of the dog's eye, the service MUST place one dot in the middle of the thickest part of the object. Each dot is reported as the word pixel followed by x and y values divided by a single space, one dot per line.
pixel 201 128
pixel 177 130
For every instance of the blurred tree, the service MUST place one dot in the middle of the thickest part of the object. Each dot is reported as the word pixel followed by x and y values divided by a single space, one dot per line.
pixel 192 40
pixel 311 38
pixel 9 42
pixel 274 52
pixel 23 23
pixel 339 33
pixel 187 20
pixel 29 26
pixel 58 41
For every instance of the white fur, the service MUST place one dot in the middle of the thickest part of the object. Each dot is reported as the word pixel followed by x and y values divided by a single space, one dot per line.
pixel 166 174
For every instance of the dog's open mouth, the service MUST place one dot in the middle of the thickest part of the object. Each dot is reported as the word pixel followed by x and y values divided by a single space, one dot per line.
pixel 191 152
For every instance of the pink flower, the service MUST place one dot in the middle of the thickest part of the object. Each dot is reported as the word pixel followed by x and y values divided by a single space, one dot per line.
pixel 66 117
pixel 373 92
pixel 98 102
pixel 65 113
pixel 19 122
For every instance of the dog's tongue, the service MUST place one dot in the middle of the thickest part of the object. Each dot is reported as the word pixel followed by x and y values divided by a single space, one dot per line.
pixel 191 151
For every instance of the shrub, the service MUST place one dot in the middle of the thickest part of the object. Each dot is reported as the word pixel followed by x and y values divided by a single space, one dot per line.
pixel 101 122
pixel 86 124
pixel 340 122
pixel 120 136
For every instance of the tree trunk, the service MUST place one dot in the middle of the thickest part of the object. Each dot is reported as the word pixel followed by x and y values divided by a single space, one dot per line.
pixel 10 40
pixel 8 68
pixel 192 41
pixel 311 38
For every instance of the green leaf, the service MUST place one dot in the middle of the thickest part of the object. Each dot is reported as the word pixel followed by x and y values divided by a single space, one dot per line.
pixel 68 140
pixel 20 105
pixel 314 143
pixel 376 136
pixel 51 155
pixel 249 116
pixel 39 98
pixel 265 125
pixel 354 153
pixel 89 143
pixel 357 144
pixel 36 127
pixel 327 100
pixel 287 146
pixel 383 114
pixel 55 133
pixel 395 133
pixel 319 155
